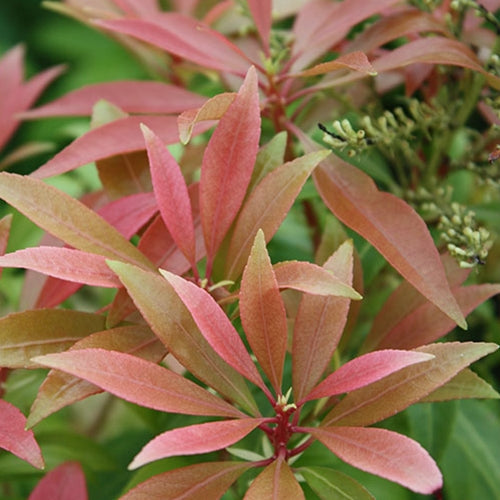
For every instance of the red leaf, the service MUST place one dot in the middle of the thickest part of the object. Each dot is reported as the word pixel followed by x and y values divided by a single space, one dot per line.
pixel 275 482
pixel 116 137
pixel 365 370
pixel 227 165
pixel 173 324
pixel 384 453
pixel 313 279
pixel 261 13
pixel 14 437
pixel 60 389
pixel 67 218
pixel 64 482
pixel 426 323
pixel 391 226
pixel 64 263
pixel 130 96
pixel 266 207
pixel 172 195
pixel 434 50
pixel 356 61
pixel 319 325
pixel 216 327
pixel 195 439
pixel 263 313
pixel 184 37
pixel 139 381
pixel 205 480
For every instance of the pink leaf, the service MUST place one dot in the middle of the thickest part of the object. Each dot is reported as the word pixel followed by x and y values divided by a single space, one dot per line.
pixel 313 279
pixel 426 323
pixel 213 109
pixel 67 218
pixel 172 195
pixel 117 137
pixel 60 389
pixel 391 226
pixel 162 308
pixel 319 325
pixel 139 381
pixel 14 437
pixel 396 392
pixel 356 61
pixel 275 482
pixel 64 263
pixel 365 370
pixel 184 37
pixel 227 165
pixel 384 453
pixel 266 207
pixel 261 11
pixel 205 480
pixel 216 327
pixel 132 97
pixel 195 439
pixel 263 313
pixel 64 482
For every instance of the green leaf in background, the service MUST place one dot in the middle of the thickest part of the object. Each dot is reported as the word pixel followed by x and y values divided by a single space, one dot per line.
pixel 330 484
pixel 470 464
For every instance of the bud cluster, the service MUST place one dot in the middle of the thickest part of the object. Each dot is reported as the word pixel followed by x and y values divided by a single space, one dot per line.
pixel 468 242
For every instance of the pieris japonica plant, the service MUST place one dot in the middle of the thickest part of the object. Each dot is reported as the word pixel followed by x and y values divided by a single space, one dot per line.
pixel 256 361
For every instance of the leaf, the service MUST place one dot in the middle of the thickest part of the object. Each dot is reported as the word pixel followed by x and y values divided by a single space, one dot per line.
pixel 426 323
pixel 130 96
pixel 313 279
pixel 434 50
pixel 466 384
pixel 319 325
pixel 173 324
pixel 261 11
pixel 228 164
pixel 27 334
pixel 263 313
pixel 330 484
pixel 205 480
pixel 64 263
pixel 266 207
pixel 5 225
pixel 383 453
pixel 67 218
pixel 60 389
pixel 117 137
pixel 172 195
pixel 470 462
pixel 184 37
pixel 65 481
pixel 14 437
pixel 396 392
pixel 365 370
pixel 356 61
pixel 195 439
pixel 216 327
pixel 391 226
pixel 269 157
pixel 139 381
pixel 213 109
pixel 275 482
pixel 406 299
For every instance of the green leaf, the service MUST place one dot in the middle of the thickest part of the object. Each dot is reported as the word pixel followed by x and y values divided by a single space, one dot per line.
pixel 67 218
pixel 330 484
pixel 41 331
